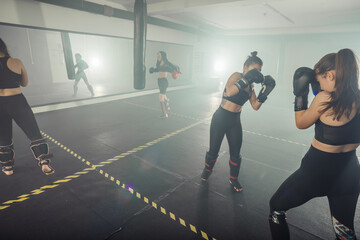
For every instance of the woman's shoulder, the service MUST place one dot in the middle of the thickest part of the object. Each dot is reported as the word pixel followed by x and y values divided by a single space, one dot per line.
pixel 320 101
pixel 236 76
pixel 323 97
pixel 233 78
pixel 15 61
pixel 15 65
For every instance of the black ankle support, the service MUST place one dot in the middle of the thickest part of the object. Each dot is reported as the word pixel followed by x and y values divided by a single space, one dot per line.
pixel 40 150
pixel 210 161
pixel 278 226
pixel 7 155
pixel 234 164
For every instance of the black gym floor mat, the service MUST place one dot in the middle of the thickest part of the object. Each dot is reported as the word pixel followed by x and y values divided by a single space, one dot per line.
pixel 124 173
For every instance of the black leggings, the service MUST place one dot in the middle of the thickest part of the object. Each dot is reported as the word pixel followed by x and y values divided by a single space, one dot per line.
pixel 335 175
pixel 16 107
pixel 81 75
pixel 225 123
pixel 163 85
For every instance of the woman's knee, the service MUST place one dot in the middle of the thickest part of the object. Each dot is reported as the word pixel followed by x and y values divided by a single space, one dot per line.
pixel 274 204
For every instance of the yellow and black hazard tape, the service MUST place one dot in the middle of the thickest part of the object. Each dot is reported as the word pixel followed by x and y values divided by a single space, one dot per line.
pixel 24 197
pixel 123 185
pixel 93 167
pixel 38 191
pixel 157 207
pixel 132 151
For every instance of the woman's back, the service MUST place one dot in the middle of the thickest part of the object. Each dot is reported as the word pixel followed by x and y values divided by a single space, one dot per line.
pixel 337 135
pixel 12 75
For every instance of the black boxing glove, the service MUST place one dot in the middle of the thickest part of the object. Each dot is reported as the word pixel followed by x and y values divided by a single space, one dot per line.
pixel 303 76
pixel 177 69
pixel 315 86
pixel 152 70
pixel 267 86
pixel 252 76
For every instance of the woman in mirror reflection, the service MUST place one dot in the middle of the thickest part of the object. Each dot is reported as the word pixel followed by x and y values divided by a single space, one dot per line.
pixel 81 65
pixel 163 67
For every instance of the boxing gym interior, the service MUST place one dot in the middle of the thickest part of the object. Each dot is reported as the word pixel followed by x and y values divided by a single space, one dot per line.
pixel 124 172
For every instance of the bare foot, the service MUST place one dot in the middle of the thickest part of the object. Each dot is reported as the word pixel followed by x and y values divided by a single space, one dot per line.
pixel 47 169
pixel 7 172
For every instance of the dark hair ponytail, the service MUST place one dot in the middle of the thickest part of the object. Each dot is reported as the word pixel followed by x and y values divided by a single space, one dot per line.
pixel 253 59
pixel 3 48
pixel 346 84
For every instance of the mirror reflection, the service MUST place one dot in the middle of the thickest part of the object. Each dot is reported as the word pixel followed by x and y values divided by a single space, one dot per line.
pixel 103 65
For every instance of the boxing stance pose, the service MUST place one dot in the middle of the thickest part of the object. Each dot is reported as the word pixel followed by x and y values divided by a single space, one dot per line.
pixel 13 105
pixel 226 120
pixel 81 65
pixel 330 167
pixel 163 66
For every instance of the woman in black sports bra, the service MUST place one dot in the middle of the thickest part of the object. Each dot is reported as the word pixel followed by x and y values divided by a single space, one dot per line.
pixel 226 120
pixel 163 67
pixel 13 106
pixel 330 168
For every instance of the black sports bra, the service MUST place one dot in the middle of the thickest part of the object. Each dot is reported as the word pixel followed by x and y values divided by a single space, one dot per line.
pixel 240 98
pixel 8 78
pixel 165 68
pixel 349 133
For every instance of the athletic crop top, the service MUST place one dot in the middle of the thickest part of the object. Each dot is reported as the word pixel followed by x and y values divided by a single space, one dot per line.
pixel 240 98
pixel 165 68
pixel 81 65
pixel 338 135
pixel 8 78
pixel 168 67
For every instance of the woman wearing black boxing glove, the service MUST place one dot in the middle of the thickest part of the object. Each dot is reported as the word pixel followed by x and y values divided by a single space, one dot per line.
pixel 226 120
pixel 330 167
pixel 163 67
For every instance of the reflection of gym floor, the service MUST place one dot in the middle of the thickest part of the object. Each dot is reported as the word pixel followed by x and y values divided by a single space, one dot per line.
pixel 63 92
pixel 122 170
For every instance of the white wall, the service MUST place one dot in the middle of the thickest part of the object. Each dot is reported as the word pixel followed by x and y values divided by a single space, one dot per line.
pixel 281 54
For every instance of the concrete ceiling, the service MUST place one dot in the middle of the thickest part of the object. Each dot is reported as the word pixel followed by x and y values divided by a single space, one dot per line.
pixel 234 17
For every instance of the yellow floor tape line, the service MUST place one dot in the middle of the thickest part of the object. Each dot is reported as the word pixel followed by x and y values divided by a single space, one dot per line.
pixel 93 167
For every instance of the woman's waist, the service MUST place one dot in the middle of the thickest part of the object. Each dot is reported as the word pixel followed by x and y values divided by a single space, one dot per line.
pixel 326 163
pixel 6 92
pixel 231 107
pixel 346 148
pixel 226 113
pixel 162 74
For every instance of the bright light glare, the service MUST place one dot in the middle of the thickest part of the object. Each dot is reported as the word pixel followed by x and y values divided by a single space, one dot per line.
pixel 219 66
pixel 95 62
pixel 98 88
